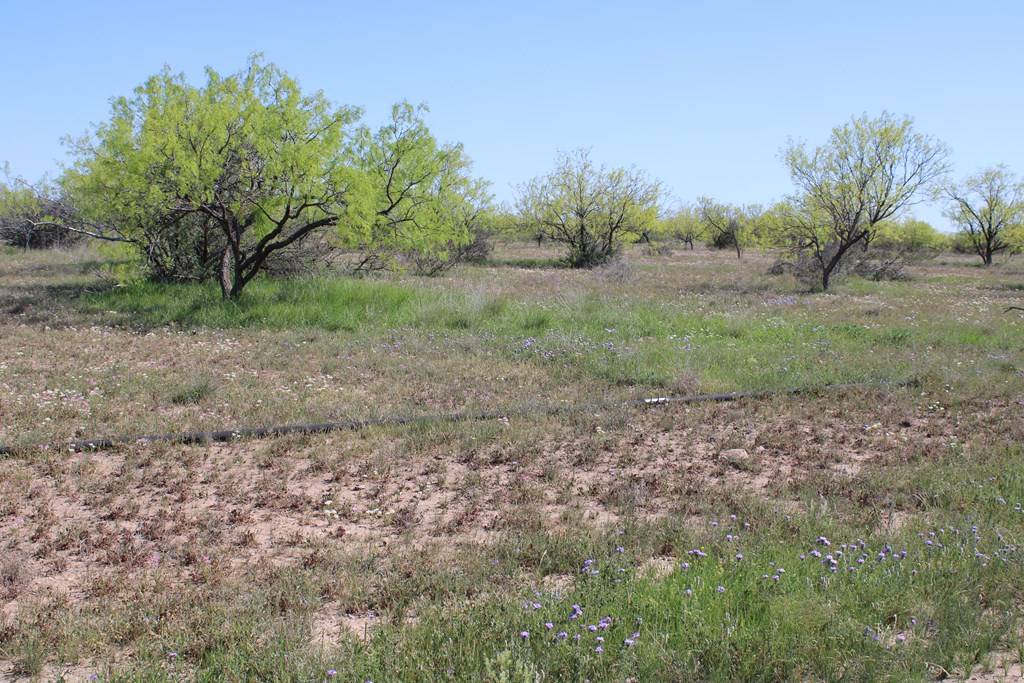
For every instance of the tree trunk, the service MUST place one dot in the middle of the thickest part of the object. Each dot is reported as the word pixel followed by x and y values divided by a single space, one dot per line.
pixel 828 267
pixel 227 275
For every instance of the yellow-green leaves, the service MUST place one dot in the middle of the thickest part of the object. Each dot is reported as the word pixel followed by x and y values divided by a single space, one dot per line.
pixel 422 200
pixel 217 179
pixel 988 209
pixel 869 171
pixel 592 209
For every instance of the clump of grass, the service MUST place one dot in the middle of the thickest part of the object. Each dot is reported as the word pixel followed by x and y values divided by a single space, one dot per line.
pixel 193 394
pixel 533 262
pixel 29 658
pixel 13 576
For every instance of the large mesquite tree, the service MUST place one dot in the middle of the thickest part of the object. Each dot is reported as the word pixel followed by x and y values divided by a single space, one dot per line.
pixel 867 172
pixel 243 167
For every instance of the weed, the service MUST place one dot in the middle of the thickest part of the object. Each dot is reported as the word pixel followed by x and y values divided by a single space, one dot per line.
pixel 193 394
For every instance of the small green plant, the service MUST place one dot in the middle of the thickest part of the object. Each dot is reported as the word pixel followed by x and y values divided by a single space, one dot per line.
pixel 30 657
pixel 504 667
pixel 193 394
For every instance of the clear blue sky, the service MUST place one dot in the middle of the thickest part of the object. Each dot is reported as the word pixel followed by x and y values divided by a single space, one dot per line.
pixel 701 95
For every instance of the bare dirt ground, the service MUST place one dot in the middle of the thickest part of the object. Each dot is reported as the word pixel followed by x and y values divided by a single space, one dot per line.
pixel 78 525
pixel 72 519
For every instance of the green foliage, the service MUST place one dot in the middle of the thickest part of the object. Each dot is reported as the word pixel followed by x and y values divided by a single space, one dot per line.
pixel 123 263
pixel 504 667
pixel 988 209
pixel 219 177
pixel 960 243
pixel 503 221
pixel 727 226
pixel 1015 238
pixel 910 235
pixel 681 224
pixel 754 218
pixel 592 210
pixel 868 171
pixel 723 224
pixel 425 204
pixel 31 217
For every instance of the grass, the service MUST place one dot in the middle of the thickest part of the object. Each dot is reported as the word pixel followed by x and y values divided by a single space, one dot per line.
pixel 634 342
pixel 425 552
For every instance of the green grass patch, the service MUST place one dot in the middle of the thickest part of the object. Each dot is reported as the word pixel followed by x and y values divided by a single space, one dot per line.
pixel 644 343
pixel 527 262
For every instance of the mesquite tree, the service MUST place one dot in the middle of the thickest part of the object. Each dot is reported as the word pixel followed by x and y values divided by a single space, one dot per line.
pixel 248 158
pixel 425 203
pixel 868 171
pixel 593 210
pixel 32 216
pixel 724 223
pixel 988 208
